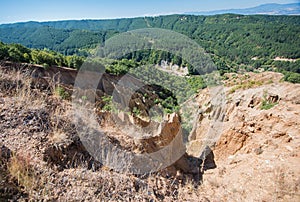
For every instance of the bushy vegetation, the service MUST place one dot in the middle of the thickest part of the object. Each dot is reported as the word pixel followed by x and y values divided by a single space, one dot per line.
pixel 108 105
pixel 267 104
pixel 119 67
pixel 59 91
pixel 19 53
pixel 291 77
pixel 247 85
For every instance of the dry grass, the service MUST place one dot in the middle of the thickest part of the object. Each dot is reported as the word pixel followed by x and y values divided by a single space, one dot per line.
pixel 245 85
pixel 21 170
pixel 28 97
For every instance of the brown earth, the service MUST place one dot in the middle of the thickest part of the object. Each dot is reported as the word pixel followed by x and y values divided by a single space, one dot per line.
pixel 258 152
pixel 248 153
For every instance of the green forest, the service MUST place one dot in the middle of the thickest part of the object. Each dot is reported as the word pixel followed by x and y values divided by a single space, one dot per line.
pixel 19 53
pixel 234 42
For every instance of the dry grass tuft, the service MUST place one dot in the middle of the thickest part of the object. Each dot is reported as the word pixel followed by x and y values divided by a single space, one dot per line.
pixel 20 169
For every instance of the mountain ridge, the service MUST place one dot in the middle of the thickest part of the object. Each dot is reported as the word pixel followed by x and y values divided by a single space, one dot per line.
pixel 277 9
pixel 264 9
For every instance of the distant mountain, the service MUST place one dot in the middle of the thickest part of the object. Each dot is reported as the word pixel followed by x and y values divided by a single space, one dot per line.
pixel 265 9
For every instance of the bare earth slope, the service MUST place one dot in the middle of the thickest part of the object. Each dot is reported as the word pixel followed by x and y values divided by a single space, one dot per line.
pixel 258 152
pixel 256 156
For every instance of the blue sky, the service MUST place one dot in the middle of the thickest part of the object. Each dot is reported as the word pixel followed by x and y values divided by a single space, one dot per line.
pixel 46 10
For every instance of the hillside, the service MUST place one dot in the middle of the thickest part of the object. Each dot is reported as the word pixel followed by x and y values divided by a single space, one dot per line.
pixel 255 157
pixel 257 154
pixel 61 40
pixel 231 40
pixel 149 120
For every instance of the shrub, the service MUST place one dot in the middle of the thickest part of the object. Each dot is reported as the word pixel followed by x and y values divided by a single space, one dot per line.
pixel 136 111
pixel 266 104
pixel 292 77
pixel 108 106
pixel 46 66
pixel 61 92
pixel 20 169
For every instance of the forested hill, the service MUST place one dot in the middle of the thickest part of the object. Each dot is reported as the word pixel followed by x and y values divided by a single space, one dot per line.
pixel 167 22
pixel 65 41
pixel 232 40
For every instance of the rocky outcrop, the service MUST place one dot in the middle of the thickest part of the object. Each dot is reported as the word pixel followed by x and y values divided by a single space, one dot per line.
pixel 243 114
pixel 258 146
pixel 143 147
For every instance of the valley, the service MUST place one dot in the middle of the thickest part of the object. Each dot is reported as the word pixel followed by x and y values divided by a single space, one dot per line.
pixel 177 107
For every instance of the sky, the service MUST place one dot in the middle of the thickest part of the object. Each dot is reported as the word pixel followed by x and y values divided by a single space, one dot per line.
pixel 48 10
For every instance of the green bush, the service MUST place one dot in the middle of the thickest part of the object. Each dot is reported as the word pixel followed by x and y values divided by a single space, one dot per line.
pixel 46 66
pixel 136 111
pixel 61 92
pixel 292 77
pixel 108 103
pixel 266 104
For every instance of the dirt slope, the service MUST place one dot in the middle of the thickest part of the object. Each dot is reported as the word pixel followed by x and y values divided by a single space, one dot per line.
pixel 254 138
pixel 258 152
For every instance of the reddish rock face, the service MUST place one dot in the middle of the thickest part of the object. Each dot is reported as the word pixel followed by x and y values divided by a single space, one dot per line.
pixel 258 147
